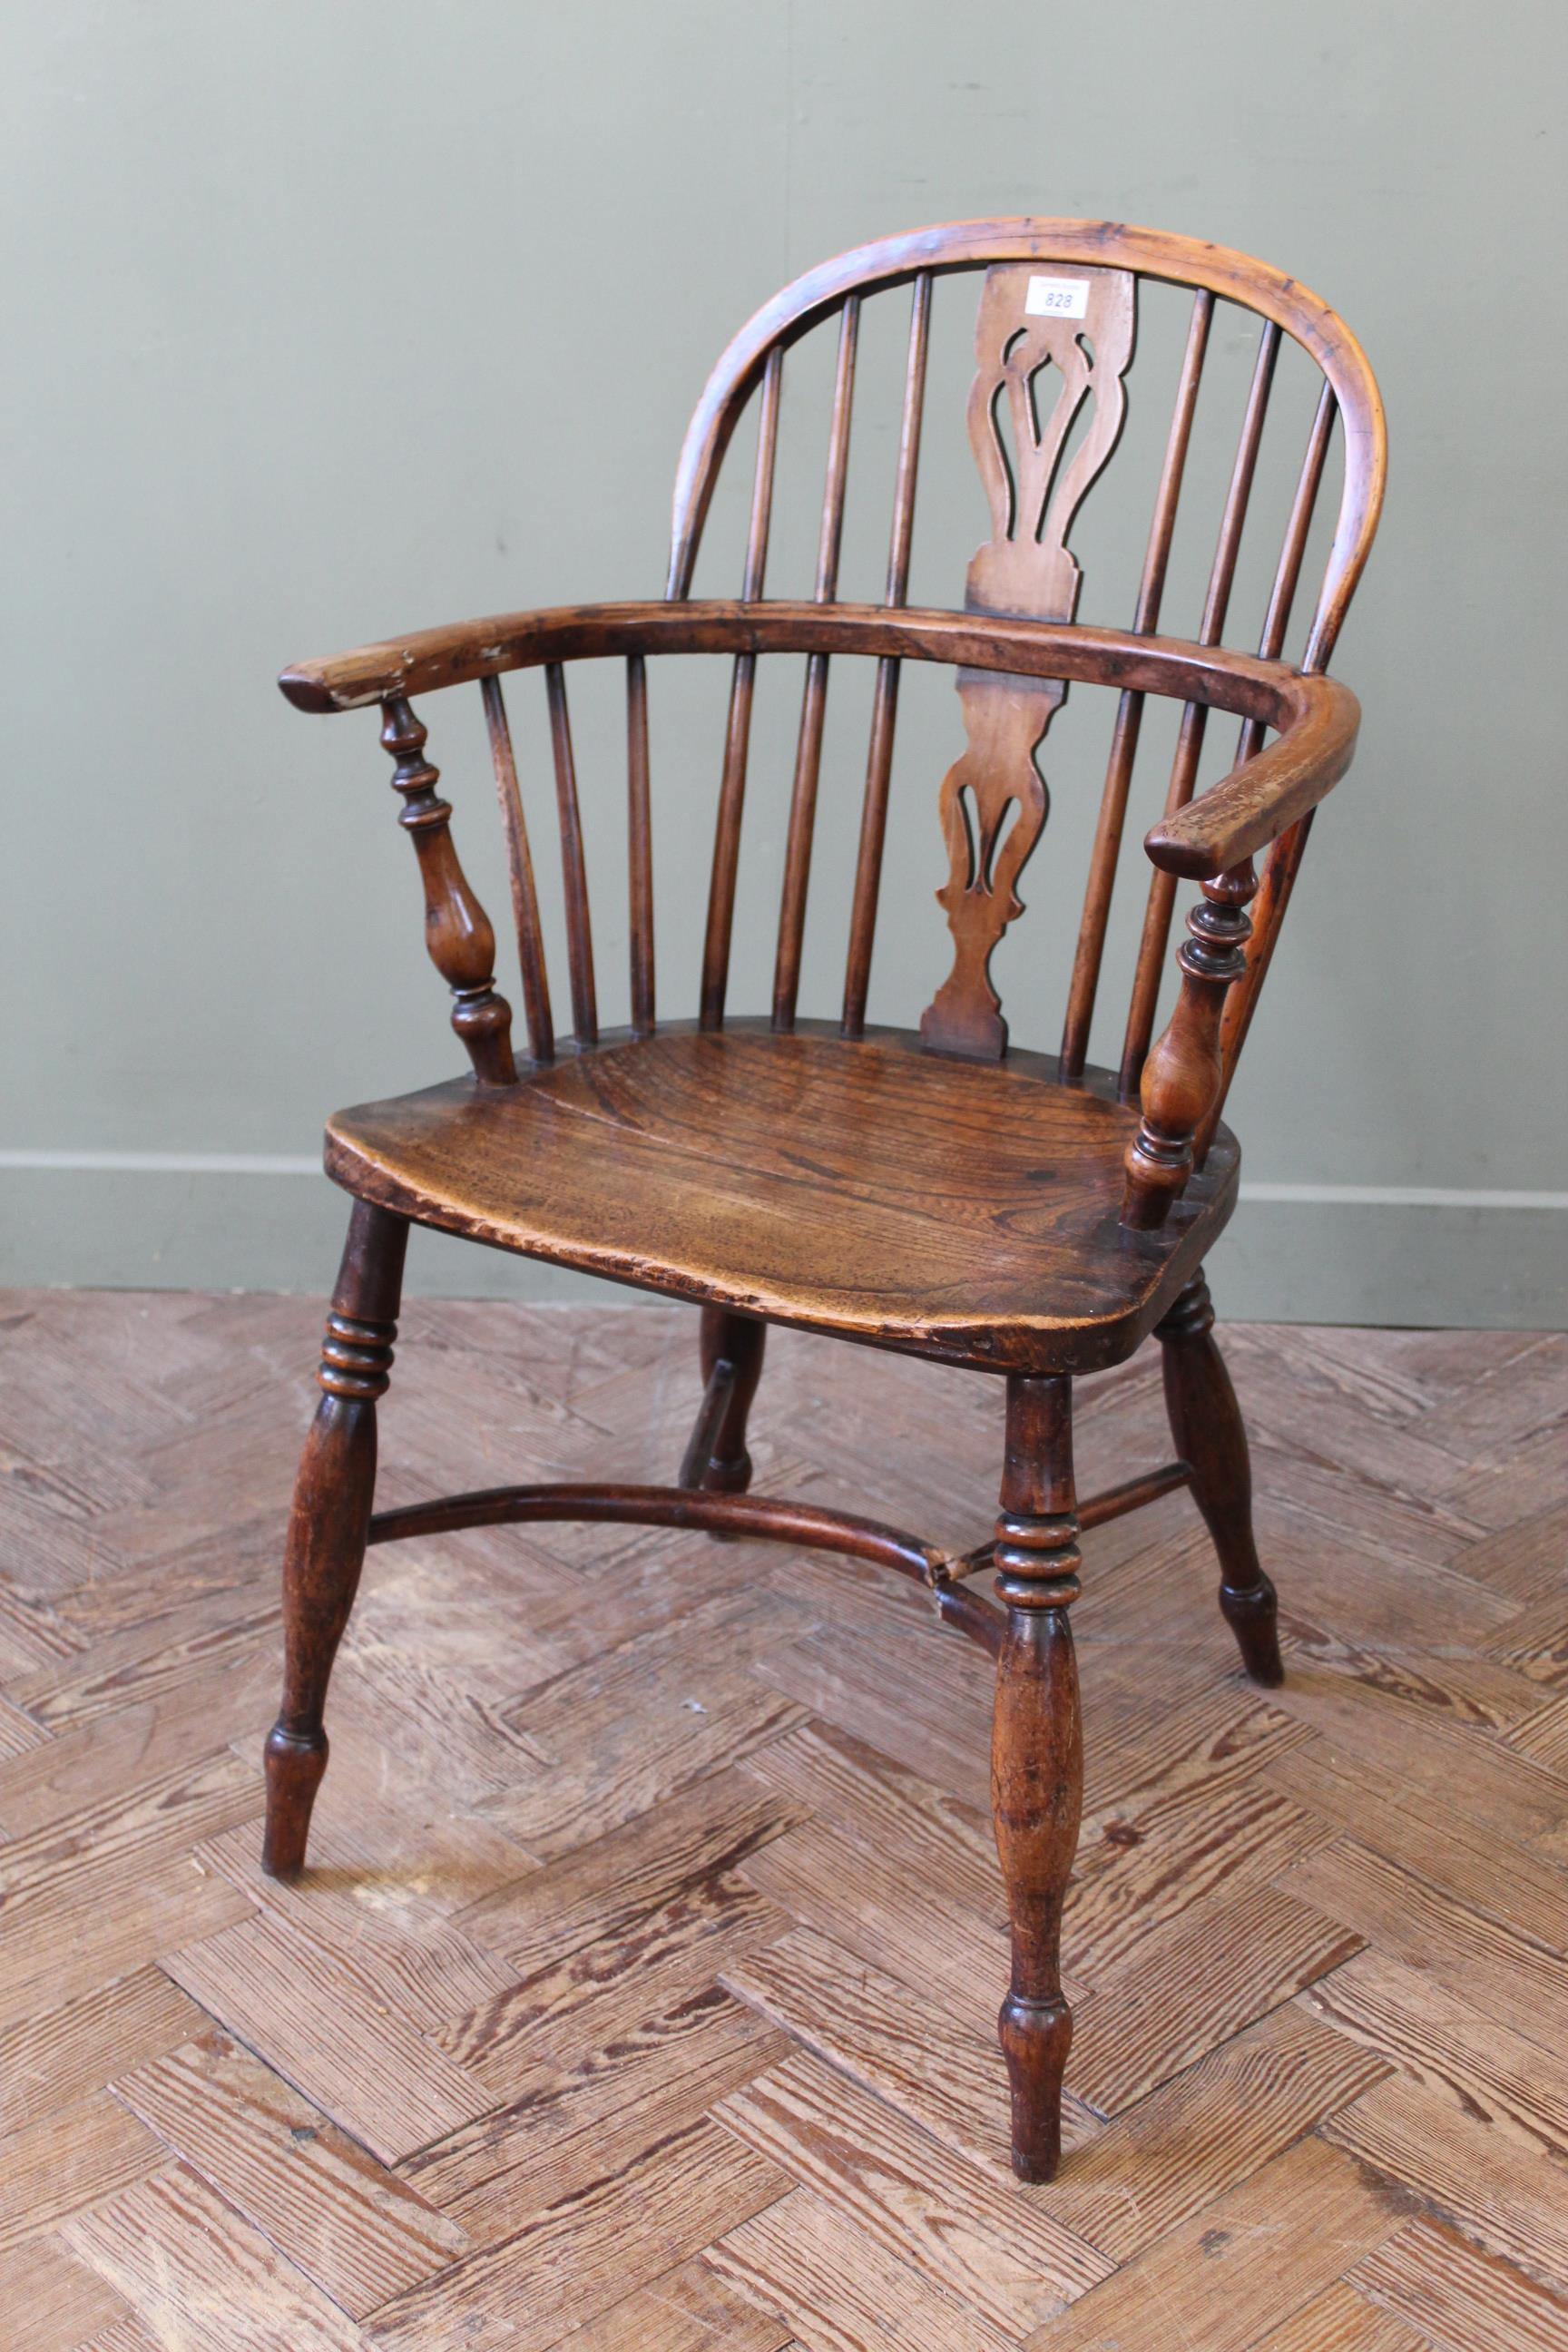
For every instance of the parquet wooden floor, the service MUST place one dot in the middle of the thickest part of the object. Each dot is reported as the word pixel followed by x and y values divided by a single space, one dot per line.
pixel 641 1996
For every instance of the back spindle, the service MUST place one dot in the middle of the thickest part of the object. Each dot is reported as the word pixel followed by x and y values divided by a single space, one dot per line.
pixel 1129 709
pixel 1190 741
pixel 1281 868
pixel 885 701
pixel 738 730
pixel 519 863
pixel 1283 595
pixel 574 878
pixel 639 841
pixel 813 704
pixel 1284 858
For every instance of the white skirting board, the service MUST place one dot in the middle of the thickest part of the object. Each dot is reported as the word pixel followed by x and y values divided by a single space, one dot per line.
pixel 1293 1252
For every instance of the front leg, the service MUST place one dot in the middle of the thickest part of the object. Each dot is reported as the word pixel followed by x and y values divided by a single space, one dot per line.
pixel 329 1521
pixel 1037 1754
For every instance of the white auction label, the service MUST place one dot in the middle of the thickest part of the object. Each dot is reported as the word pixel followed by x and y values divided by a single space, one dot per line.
pixel 1056 297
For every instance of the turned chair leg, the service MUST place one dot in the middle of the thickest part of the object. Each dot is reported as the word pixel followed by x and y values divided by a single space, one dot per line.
pixel 329 1521
pixel 1037 1754
pixel 1211 1438
pixel 716 1457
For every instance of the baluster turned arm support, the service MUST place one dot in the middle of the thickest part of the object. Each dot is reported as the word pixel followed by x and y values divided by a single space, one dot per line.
pixel 457 928
pixel 1181 1076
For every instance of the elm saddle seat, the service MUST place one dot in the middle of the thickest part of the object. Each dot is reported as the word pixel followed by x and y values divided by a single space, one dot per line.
pixel 862 1188
pixel 938 1192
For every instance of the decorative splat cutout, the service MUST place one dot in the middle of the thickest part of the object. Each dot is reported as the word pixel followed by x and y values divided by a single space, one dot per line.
pixel 1048 349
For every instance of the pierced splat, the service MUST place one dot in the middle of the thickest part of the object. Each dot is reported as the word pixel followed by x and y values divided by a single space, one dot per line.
pixel 994 798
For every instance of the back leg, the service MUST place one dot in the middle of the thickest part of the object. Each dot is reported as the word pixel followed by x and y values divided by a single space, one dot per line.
pixel 329 1521
pixel 1211 1438
pixel 716 1457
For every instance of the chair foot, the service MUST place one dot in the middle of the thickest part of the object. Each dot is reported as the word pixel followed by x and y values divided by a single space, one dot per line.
pixel 1036 1756
pixel 330 1522
pixel 1035 2037
pixel 294 1765
pixel 1211 1438
pixel 1252 1611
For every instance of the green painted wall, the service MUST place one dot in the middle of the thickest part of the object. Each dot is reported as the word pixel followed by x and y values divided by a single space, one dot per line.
pixel 327 321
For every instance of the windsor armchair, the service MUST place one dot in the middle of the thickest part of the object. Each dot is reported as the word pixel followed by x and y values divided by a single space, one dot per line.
pixel 934 1190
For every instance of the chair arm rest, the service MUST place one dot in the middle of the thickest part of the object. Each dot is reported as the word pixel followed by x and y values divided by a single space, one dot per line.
pixel 451 655
pixel 1261 800
pixel 1310 709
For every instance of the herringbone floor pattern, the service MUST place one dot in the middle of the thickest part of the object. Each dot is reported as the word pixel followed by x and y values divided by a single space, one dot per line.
pixel 641 1997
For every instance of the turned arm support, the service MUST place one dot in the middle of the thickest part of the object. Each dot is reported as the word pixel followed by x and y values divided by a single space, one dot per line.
pixel 1183 1073
pixel 458 931
pixel 1215 840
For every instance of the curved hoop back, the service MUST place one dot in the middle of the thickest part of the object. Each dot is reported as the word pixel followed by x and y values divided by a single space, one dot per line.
pixel 992 801
pixel 1111 245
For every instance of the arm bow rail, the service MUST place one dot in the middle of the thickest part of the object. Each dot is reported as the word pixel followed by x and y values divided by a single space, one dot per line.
pixel 1315 717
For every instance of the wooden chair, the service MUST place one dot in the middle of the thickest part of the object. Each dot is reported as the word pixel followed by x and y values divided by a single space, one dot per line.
pixel 1029 1216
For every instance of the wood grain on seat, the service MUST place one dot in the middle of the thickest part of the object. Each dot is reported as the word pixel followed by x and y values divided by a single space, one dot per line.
pixel 862 1188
